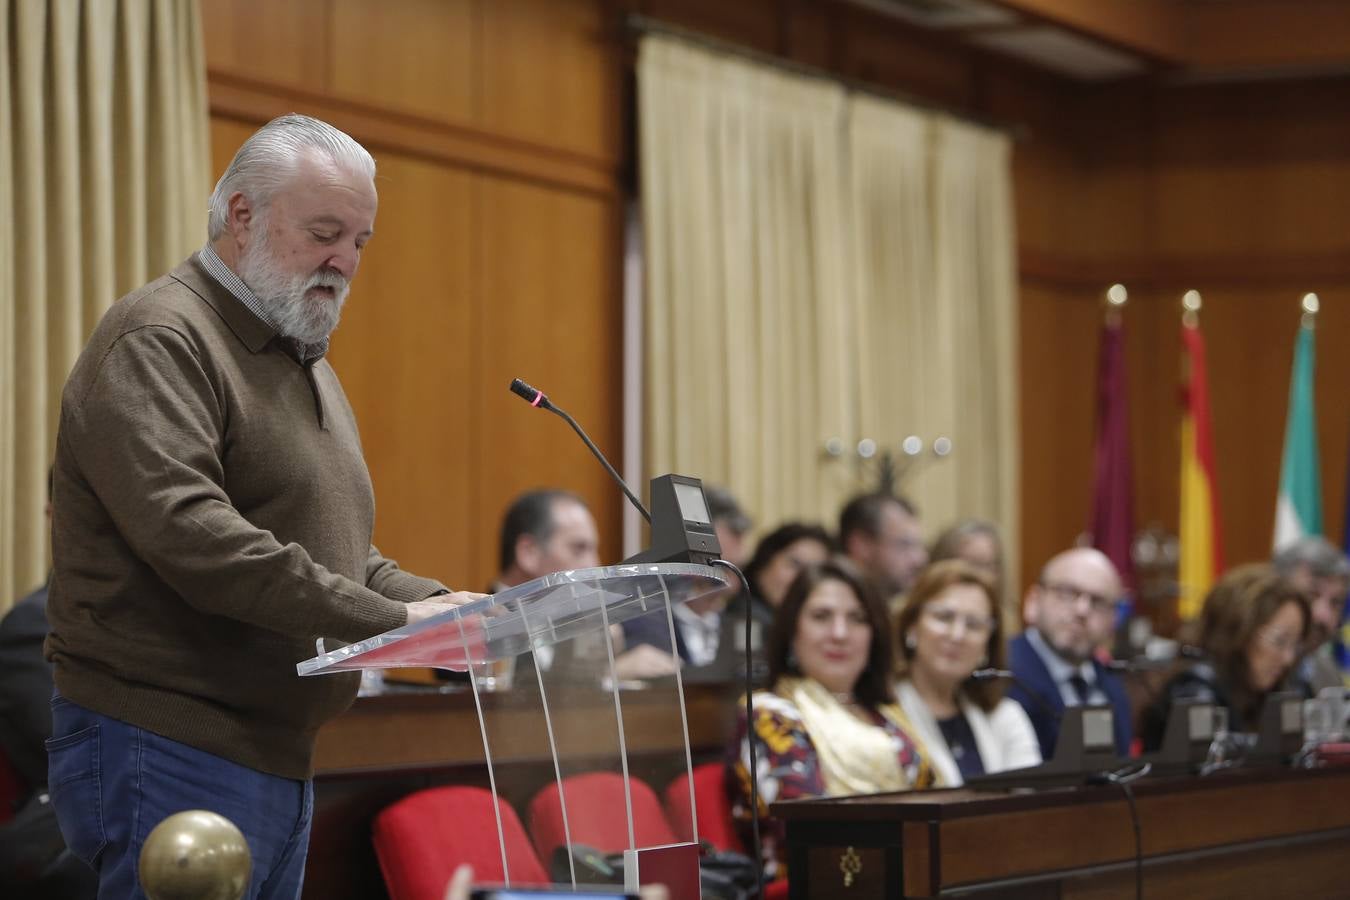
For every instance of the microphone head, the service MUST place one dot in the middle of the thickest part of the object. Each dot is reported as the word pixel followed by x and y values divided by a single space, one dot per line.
pixel 529 394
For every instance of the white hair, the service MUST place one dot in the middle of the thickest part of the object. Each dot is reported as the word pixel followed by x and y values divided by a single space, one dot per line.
pixel 268 159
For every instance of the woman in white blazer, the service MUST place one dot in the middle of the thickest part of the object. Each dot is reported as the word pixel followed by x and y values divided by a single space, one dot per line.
pixel 948 629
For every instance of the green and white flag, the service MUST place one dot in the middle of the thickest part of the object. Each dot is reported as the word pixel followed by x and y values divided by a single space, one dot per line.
pixel 1298 509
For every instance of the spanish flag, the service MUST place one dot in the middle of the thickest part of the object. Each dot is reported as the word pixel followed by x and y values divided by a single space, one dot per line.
pixel 1201 549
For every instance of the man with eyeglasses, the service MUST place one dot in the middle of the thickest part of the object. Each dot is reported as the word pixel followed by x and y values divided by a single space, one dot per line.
pixel 1070 612
pixel 1313 566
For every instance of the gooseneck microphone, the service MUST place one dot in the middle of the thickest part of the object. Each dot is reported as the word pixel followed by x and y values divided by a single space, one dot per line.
pixel 536 398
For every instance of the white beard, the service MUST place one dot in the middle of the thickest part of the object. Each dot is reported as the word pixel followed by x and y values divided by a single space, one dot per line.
pixel 285 297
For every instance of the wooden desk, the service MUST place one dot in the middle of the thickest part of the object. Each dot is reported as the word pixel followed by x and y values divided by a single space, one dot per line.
pixel 389 746
pixel 1259 833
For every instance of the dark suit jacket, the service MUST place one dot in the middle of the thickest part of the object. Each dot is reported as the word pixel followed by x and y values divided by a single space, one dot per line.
pixel 1034 678
pixel 25 688
pixel 652 628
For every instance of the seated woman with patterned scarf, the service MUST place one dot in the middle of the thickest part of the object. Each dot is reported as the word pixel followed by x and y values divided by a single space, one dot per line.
pixel 830 726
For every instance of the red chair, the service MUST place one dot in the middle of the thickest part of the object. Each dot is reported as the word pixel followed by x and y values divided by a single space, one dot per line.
pixel 595 813
pixel 421 839
pixel 714 809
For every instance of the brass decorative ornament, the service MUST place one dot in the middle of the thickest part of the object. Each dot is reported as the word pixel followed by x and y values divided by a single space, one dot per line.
pixel 850 864
pixel 195 855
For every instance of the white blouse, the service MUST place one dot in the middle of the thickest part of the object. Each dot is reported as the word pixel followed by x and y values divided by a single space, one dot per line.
pixel 1004 736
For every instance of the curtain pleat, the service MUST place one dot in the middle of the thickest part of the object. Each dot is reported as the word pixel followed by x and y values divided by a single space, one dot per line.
pixel 742 172
pixel 104 174
pixel 823 265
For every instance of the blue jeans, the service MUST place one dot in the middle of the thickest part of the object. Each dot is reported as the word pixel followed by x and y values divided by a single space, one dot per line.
pixel 111 783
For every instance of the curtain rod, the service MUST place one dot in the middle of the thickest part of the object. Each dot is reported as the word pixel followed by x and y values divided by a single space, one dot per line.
pixel 638 24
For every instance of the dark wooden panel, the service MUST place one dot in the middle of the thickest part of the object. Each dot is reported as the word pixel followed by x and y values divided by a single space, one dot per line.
pixel 281 43
pixel 551 75
pixel 1069 842
pixel 550 314
pixel 417 56
pixel 399 352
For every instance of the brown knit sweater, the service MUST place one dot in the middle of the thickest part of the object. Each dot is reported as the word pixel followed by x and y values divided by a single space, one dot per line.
pixel 212 517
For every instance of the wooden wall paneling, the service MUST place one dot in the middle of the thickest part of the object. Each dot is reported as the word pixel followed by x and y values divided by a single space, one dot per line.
pixel 752 23
pixel 423 57
pixel 550 75
pixel 403 352
pixel 283 43
pixel 1058 354
pixel 1153 358
pixel 810 33
pixel 1248 33
pixel 926 65
pixel 227 135
pixel 451 145
pixel 550 314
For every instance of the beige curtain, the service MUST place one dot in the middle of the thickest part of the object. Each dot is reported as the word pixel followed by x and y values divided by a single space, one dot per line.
pixel 104 175
pixel 823 265
pixel 934 244
pixel 748 296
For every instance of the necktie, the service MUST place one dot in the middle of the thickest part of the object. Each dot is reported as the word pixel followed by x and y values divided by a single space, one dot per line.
pixel 1080 688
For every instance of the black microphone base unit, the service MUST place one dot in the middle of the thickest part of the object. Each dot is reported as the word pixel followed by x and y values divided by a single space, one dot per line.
pixel 1086 746
pixel 1187 736
pixel 682 529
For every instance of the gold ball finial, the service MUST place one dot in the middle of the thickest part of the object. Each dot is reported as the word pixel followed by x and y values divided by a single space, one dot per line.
pixel 1116 295
pixel 1311 304
pixel 195 855
pixel 1190 301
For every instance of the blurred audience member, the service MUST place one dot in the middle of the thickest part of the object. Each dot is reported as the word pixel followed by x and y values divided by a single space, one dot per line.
pixel 26 687
pixel 1321 572
pixel 34 861
pixel 25 691
pixel 544 531
pixel 1252 627
pixel 978 542
pixel 1070 612
pixel 779 557
pixel 830 726
pixel 699 624
pixel 731 524
pixel 948 629
pixel 881 533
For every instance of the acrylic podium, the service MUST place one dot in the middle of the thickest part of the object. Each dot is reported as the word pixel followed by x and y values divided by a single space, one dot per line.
pixel 556 634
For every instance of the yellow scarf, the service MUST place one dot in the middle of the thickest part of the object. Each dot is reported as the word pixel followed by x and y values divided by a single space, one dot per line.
pixel 855 757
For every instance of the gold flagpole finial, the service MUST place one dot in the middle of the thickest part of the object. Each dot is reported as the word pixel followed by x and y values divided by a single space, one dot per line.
pixel 1116 295
pixel 1190 305
pixel 1310 307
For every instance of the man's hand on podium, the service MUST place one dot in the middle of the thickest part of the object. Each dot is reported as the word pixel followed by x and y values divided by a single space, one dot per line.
pixel 645 661
pixel 441 603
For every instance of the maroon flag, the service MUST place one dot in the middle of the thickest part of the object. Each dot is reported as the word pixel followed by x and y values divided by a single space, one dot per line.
pixel 1112 524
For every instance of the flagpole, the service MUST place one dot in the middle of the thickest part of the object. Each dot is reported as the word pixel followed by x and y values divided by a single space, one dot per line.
pixel 1116 298
pixel 1298 505
pixel 1111 521
pixel 1310 307
pixel 1201 556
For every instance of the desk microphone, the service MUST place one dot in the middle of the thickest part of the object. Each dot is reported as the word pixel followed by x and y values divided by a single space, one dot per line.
pixel 536 398
pixel 1149 664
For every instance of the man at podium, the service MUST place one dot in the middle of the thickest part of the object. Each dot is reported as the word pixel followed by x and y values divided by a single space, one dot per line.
pixel 212 519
